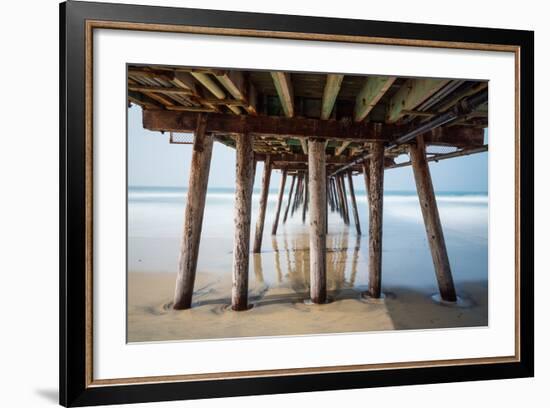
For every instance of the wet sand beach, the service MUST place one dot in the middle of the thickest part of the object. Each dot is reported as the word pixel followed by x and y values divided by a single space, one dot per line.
pixel 279 276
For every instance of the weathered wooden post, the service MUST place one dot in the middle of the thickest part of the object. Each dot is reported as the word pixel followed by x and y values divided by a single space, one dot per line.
pixel 367 178
pixel 279 203
pixel 306 198
pixel 263 204
pixel 243 207
pixel 432 221
pixel 297 195
pixel 194 211
pixel 289 197
pixel 345 199
pixel 339 195
pixel 376 204
pixel 354 203
pixel 335 195
pixel 343 209
pixel 317 229
pixel 329 196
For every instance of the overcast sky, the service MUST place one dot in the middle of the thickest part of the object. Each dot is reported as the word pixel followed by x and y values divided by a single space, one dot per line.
pixel 153 161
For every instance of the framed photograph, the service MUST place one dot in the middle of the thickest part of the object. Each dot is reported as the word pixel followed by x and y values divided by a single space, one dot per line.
pixel 255 203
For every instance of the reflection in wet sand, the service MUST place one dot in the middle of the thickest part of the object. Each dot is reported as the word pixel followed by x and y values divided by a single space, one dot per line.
pixel 354 261
pixel 290 260
pixel 280 281
pixel 277 258
pixel 258 270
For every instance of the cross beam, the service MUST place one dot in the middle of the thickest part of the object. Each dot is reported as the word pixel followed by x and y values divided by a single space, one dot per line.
pixel 284 128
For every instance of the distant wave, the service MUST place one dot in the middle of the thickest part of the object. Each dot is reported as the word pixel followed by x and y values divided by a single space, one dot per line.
pixel 173 194
pixel 443 198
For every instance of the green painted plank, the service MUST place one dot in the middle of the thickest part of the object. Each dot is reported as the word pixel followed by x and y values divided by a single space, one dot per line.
pixel 282 83
pixel 370 94
pixel 330 93
pixel 411 94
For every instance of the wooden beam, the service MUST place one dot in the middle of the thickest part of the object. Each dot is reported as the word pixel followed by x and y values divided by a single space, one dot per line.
pixel 279 203
pixel 209 84
pixel 186 81
pixel 159 89
pixel 214 88
pixel 283 85
pixel 179 108
pixel 411 94
pixel 143 100
pixel 317 222
pixel 373 89
pixel 376 204
pixel 340 149
pixel 287 128
pixel 303 142
pixel 243 207
pixel 263 204
pixel 151 73
pixel 330 93
pixel 293 167
pixel 432 222
pixel 301 158
pixel 162 99
pixel 354 203
pixel 215 101
pixel 194 211
pixel 241 89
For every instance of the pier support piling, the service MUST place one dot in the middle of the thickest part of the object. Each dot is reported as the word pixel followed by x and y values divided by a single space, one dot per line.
pixel 343 199
pixel 345 196
pixel 243 205
pixel 354 204
pixel 279 204
pixel 306 198
pixel 289 197
pixel 194 211
pixel 432 221
pixel 330 196
pixel 335 195
pixel 297 194
pixel 376 202
pixel 367 178
pixel 317 220
pixel 263 204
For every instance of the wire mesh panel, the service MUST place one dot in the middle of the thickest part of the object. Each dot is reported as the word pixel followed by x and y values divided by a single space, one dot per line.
pixel 434 151
pixel 182 138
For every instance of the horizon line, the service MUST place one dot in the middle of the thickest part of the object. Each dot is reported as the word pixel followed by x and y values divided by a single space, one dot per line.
pixel 276 189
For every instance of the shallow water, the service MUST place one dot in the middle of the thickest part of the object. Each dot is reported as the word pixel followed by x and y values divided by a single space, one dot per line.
pixel 155 218
pixel 279 276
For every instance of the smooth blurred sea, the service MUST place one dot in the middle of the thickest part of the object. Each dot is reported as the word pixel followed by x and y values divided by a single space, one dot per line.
pixel 155 220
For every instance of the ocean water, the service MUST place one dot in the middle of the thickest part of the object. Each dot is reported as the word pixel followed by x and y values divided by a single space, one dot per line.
pixel 155 221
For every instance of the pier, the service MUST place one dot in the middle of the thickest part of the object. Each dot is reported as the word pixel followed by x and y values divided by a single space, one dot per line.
pixel 318 130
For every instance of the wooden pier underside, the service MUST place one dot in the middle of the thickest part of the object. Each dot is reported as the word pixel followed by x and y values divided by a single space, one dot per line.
pixel 318 129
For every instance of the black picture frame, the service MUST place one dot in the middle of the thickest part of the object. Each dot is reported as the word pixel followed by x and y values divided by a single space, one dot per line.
pixel 74 390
